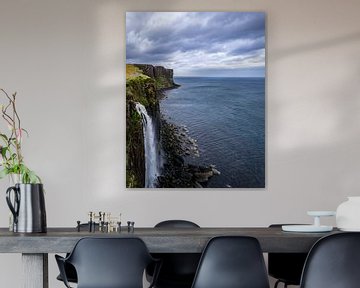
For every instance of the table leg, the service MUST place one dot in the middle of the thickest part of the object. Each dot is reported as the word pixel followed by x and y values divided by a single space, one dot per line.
pixel 35 270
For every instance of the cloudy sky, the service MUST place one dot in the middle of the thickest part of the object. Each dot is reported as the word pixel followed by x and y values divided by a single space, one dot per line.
pixel 230 44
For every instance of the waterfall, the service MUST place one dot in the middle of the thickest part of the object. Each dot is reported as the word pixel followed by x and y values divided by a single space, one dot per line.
pixel 152 158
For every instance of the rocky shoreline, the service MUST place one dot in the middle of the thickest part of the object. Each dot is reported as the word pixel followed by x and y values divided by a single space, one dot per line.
pixel 177 146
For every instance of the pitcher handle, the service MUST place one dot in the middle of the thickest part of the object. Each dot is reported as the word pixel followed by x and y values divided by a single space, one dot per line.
pixel 13 208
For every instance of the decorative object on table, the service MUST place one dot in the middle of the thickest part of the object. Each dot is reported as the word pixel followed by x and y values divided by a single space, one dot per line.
pixel 28 208
pixel 27 204
pixel 316 227
pixel 78 225
pixel 130 225
pixel 348 214
pixel 101 221
pixel 195 107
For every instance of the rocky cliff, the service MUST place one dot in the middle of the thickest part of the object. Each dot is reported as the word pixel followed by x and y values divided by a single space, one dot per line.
pixel 164 78
pixel 143 85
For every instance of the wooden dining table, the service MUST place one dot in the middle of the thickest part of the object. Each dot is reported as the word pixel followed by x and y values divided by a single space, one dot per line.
pixel 35 247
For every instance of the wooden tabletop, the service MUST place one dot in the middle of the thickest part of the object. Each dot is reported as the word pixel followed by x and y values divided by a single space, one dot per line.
pixel 158 240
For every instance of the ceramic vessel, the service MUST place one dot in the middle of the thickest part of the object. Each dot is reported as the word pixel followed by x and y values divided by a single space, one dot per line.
pixel 27 204
pixel 348 214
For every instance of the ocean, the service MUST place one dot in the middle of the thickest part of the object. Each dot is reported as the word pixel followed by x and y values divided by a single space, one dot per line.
pixel 227 118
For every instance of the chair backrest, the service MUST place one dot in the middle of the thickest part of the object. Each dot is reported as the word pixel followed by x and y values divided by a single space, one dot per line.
pixel 178 269
pixel 286 267
pixel 176 224
pixel 110 262
pixel 333 262
pixel 232 262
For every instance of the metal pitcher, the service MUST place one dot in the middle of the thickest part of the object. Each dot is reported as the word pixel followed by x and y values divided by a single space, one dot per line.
pixel 28 207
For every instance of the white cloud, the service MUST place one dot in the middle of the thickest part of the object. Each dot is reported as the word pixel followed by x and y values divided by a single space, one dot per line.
pixel 191 40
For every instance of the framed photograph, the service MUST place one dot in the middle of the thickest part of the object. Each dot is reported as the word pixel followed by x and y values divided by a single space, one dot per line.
pixel 195 99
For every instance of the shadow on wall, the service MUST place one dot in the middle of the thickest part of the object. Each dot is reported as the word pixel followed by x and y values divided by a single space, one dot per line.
pixel 313 121
pixel 301 49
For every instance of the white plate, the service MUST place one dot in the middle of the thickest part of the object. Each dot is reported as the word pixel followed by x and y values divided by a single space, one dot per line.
pixel 321 213
pixel 350 229
pixel 306 228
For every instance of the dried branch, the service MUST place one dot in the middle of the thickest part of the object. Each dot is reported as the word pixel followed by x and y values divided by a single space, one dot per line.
pixel 11 156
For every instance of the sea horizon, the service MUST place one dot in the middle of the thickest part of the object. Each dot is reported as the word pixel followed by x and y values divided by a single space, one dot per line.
pixel 263 77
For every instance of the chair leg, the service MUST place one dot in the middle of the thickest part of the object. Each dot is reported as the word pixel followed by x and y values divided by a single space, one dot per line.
pixel 279 281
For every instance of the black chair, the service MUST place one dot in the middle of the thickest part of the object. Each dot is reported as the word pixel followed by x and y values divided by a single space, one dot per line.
pixel 69 269
pixel 108 263
pixel 286 267
pixel 178 269
pixel 232 262
pixel 176 224
pixel 333 262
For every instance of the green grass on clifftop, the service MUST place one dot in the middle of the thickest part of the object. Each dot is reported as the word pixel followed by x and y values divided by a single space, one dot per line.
pixel 133 72
pixel 139 87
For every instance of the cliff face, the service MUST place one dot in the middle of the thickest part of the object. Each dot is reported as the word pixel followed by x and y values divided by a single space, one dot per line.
pixel 139 88
pixel 143 83
pixel 164 78
pixel 135 153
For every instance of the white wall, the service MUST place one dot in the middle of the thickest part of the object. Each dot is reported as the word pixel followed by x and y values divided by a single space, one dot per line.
pixel 66 60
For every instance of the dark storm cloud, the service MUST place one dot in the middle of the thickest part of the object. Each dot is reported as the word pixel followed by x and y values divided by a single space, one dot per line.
pixel 196 40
